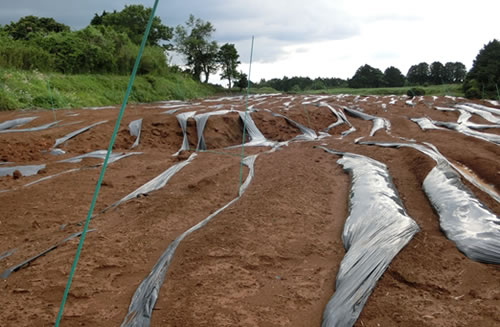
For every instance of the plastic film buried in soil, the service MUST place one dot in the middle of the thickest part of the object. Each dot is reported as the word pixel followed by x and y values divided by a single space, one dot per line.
pixel 15 268
pixel 63 139
pixel 307 133
pixel 255 135
pixel 135 130
pixel 100 154
pixel 201 121
pixel 144 298
pixel 463 218
pixel 376 229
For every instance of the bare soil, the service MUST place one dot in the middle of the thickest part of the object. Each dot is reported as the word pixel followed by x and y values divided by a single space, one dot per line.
pixel 271 258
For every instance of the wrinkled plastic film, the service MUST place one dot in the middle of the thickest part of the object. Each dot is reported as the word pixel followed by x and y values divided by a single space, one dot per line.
pixel 7 254
pixel 378 123
pixel 255 135
pixel 100 154
pixel 307 133
pixel 376 229
pixel 462 217
pixel 144 298
pixel 135 130
pixel 182 119
pixel 201 121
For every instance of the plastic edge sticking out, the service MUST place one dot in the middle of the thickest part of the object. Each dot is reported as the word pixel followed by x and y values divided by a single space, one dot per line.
pixel 144 298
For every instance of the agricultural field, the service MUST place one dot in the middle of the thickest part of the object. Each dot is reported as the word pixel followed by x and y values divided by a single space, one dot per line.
pixel 345 210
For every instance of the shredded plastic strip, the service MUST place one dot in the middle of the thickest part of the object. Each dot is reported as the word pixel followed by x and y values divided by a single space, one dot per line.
pixel 17 267
pixel 63 139
pixel 100 154
pixel 378 123
pixel 144 298
pixel 103 170
pixel 376 229
pixel 7 254
pixel 307 133
pixel 201 121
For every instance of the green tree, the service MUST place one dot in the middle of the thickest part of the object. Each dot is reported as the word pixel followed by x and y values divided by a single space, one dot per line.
pixel 367 76
pixel 454 72
pixel 132 20
pixel 194 42
pixel 242 83
pixel 437 73
pixel 418 74
pixel 485 72
pixel 393 77
pixel 29 26
pixel 227 57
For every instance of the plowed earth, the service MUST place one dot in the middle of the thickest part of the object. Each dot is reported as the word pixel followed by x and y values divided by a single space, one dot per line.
pixel 271 258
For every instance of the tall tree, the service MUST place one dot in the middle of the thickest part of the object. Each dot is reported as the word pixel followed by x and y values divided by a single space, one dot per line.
pixel 454 72
pixel 194 42
pixel 418 74
pixel 393 77
pixel 484 76
pixel 227 57
pixel 132 20
pixel 437 73
pixel 32 25
pixel 367 76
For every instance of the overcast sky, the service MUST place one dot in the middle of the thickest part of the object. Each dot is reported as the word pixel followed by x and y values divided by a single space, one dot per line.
pixel 315 38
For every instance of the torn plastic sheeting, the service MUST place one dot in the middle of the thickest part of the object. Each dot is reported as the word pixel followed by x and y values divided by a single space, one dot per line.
pixel 484 108
pixel 201 121
pixel 28 170
pixel 307 133
pixel 144 298
pixel 182 119
pixel 255 135
pixel 156 183
pixel 463 129
pixel 135 130
pixel 7 254
pixel 462 217
pixel 33 129
pixel 378 123
pixel 341 118
pixel 15 268
pixel 15 122
pixel 480 112
pixel 100 154
pixel 63 139
pixel 57 152
pixel 431 151
pixel 349 131
pixel 376 229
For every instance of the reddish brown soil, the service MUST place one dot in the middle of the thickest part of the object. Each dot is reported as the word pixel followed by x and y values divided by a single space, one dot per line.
pixel 268 260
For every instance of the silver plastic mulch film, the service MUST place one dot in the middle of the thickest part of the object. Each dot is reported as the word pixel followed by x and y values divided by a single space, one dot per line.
pixel 144 298
pixel 378 123
pixel 376 229
pixel 33 129
pixel 63 139
pixel 15 122
pixel 182 119
pixel 28 170
pixel 462 217
pixel 135 130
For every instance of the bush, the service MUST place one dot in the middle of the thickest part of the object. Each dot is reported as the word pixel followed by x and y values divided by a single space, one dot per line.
pixel 471 89
pixel 415 91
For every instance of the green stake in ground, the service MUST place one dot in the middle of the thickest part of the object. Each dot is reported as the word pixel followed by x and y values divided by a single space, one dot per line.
pixel 245 121
pixel 105 164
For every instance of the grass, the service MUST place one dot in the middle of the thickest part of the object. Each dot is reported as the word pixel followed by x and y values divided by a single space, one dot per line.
pixel 445 89
pixel 32 89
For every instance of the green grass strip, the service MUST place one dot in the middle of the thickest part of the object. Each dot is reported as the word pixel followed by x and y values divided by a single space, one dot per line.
pixel 103 169
pixel 245 121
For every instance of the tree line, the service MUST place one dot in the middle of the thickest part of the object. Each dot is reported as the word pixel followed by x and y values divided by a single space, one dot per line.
pixel 109 44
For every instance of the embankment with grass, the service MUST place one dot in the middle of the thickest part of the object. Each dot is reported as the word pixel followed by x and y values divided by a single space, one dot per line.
pixel 21 89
